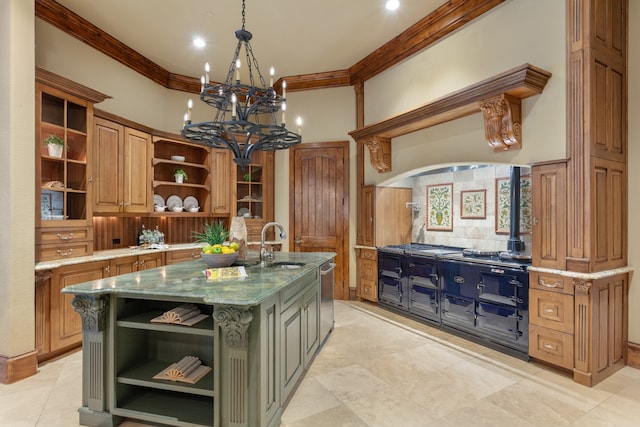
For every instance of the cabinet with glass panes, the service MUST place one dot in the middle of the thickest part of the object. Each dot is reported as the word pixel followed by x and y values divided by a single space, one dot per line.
pixel 63 175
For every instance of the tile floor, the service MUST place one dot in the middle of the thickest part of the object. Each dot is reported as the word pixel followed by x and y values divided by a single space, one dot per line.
pixel 381 370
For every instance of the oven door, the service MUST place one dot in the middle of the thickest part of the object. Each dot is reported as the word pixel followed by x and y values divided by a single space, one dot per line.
pixel 391 292
pixel 502 324
pixel 458 311
pixel 422 280
pixel 499 286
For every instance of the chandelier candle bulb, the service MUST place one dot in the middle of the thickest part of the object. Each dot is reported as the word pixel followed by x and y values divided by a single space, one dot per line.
pixel 234 99
pixel 284 89
pixel 189 107
pixel 299 123
pixel 272 71
pixel 237 70
pixel 284 108
pixel 207 68
pixel 202 80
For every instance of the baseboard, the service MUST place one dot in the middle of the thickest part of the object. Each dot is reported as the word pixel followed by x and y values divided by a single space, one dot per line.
pixel 13 369
pixel 633 355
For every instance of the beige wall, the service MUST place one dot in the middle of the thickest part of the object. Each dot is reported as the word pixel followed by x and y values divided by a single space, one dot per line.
pixel 634 167
pixel 17 329
pixel 504 38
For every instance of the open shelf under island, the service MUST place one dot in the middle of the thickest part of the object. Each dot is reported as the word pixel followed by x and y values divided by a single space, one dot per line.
pixel 260 334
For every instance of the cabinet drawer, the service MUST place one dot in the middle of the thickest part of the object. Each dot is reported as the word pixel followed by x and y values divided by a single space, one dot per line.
pixel 551 346
pixel 172 257
pixel 551 310
pixel 369 290
pixel 369 254
pixel 63 235
pixel 551 282
pixel 61 251
pixel 369 270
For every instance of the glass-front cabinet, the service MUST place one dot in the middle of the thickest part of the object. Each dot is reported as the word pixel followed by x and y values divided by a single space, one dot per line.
pixel 64 111
pixel 254 193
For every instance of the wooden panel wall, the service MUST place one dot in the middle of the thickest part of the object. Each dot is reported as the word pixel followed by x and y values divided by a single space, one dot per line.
pixel 175 229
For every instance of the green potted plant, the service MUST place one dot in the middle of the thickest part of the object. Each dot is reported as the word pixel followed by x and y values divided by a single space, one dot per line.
pixel 55 145
pixel 180 175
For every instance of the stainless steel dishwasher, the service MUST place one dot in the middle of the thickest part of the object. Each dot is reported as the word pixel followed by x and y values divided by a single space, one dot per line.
pixel 326 299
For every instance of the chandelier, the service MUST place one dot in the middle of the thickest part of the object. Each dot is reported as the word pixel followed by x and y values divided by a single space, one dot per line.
pixel 245 120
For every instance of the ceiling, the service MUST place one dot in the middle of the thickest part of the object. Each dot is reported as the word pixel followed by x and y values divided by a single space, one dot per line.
pixel 294 36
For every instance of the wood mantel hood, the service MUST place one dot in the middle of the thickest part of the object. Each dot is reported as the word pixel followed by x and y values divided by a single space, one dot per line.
pixel 497 97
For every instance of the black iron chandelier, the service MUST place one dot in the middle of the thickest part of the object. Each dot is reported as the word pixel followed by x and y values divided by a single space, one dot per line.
pixel 245 119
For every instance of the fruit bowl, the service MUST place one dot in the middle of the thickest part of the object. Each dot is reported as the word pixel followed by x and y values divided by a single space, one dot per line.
pixel 219 260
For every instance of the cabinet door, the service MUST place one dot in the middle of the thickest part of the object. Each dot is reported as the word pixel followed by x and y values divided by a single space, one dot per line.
pixel 147 261
pixel 137 171
pixel 311 323
pixel 123 265
pixel 107 166
pixel 549 233
pixel 291 354
pixel 222 180
pixel 66 324
pixel 366 223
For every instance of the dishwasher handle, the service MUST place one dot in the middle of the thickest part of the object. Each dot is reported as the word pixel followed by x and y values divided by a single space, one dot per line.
pixel 332 266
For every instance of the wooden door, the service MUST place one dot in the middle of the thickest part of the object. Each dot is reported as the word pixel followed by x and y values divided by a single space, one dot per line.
pixel 319 205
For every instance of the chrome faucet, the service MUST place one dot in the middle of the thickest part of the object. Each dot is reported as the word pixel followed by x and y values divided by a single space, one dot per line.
pixel 264 254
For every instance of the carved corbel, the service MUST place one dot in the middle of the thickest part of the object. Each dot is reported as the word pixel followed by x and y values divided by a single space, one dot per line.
pixel 502 122
pixel 582 286
pixel 379 153
pixel 92 310
pixel 234 324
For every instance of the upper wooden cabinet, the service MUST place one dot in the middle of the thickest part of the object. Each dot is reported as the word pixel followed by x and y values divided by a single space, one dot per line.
pixel 384 218
pixel 222 181
pixel 122 169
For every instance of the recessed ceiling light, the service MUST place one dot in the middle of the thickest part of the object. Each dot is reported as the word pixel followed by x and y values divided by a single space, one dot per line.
pixel 392 4
pixel 199 42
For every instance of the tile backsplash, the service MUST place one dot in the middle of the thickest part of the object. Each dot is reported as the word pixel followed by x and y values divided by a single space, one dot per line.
pixel 478 233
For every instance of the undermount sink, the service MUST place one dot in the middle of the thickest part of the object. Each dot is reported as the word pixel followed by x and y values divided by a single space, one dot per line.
pixel 287 265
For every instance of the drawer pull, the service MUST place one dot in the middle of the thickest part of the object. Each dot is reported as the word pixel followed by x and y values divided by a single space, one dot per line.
pixel 549 310
pixel 67 237
pixel 557 284
pixel 550 346
pixel 64 253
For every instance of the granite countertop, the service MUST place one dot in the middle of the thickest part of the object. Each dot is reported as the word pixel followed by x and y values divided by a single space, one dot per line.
pixel 186 281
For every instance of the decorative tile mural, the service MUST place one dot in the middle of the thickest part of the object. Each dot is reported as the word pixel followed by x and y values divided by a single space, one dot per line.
pixel 473 204
pixel 503 205
pixel 440 207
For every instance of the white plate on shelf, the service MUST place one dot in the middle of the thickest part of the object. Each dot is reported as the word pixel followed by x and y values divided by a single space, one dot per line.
pixel 190 202
pixel 174 202
pixel 244 212
pixel 158 200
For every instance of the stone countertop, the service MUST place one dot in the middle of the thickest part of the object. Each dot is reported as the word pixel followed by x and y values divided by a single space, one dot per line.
pixel 186 281
pixel 119 253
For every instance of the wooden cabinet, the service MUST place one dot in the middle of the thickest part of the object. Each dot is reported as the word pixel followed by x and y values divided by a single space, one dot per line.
pixel 58 326
pixel 551 319
pixel 63 218
pixel 173 257
pixel 579 324
pixel 129 264
pixel 122 168
pixel 197 166
pixel 367 267
pixel 549 233
pixel 253 193
pixel 222 181
pixel 384 219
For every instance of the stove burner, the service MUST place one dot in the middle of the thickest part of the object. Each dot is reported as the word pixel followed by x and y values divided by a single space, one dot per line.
pixel 517 256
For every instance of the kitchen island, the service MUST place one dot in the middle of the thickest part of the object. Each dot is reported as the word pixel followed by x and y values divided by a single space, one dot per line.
pixel 259 334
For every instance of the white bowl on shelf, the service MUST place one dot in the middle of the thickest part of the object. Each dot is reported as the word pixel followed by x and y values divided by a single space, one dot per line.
pixel 194 208
pixel 178 158
pixel 177 209
pixel 160 208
